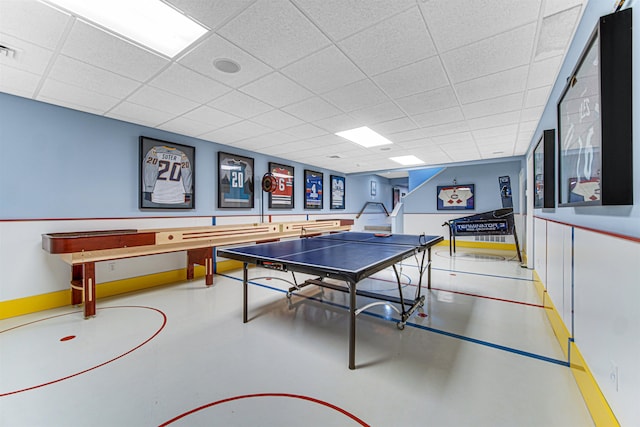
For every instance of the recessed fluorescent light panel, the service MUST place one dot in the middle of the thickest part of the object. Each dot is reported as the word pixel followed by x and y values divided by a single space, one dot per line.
pixel 364 136
pixel 407 160
pixel 151 23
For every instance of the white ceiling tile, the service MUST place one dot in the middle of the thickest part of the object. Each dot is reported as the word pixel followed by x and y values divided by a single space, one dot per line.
pixel 139 114
pixel 324 71
pixel 556 32
pixel 277 90
pixel 305 131
pixel 544 72
pixel 537 97
pixel 274 31
pixel 554 6
pixel 184 126
pixel 454 23
pixel 236 132
pixel 456 138
pixel 409 135
pixel 532 113
pixel 312 109
pixel 76 97
pixel 446 129
pixel 77 73
pixel 439 117
pixel 27 57
pixel 240 104
pixel 395 42
pixel 423 102
pixel 378 113
pixel 340 19
pixel 394 126
pixel 161 100
pixel 421 76
pixel 339 123
pixel 184 82
pixel 492 86
pixel 34 21
pixel 18 82
pixel 356 96
pixel 497 131
pixel 494 120
pixel 214 118
pixel 488 56
pixel 96 47
pixel 277 120
pixel 201 59
pixel 211 13
pixel 501 104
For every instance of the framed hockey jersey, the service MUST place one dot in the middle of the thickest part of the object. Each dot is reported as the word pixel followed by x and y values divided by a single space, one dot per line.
pixel 235 181
pixel 456 197
pixel 167 175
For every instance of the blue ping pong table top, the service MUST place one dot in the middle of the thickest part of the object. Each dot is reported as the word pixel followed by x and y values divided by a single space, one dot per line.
pixel 353 253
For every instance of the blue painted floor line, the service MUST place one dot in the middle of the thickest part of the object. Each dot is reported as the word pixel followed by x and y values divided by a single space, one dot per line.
pixel 418 326
pixel 524 279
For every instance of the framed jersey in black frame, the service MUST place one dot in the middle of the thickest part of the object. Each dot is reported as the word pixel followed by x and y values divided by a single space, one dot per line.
pixel 167 175
pixel 235 181
pixel 282 197
pixel 313 189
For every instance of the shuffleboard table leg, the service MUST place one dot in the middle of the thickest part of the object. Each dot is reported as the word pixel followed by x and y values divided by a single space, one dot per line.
pixel 200 256
pixel 245 286
pixel 89 285
pixel 77 286
pixel 352 326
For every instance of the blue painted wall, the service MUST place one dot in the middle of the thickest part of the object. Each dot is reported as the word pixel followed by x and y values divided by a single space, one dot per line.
pixel 63 163
pixel 483 175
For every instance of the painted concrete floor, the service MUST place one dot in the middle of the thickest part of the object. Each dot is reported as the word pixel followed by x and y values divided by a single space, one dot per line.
pixel 481 353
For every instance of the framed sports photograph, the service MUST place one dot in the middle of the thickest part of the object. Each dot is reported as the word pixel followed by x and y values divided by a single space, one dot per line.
pixel 337 192
pixel 235 181
pixel 374 188
pixel 312 189
pixel 456 197
pixel 282 197
pixel 595 123
pixel 167 175
pixel 543 171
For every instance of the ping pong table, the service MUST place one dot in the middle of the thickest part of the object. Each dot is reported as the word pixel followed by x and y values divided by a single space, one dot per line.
pixel 347 257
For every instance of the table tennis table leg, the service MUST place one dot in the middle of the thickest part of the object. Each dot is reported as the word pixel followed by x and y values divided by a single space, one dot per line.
pixel 352 326
pixel 245 290
pixel 429 268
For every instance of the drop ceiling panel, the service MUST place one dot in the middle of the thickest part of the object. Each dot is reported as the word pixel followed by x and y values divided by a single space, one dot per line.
pixel 394 126
pixel 537 97
pixel 378 113
pixel 421 76
pixel 395 42
pixel 439 117
pixel 274 31
pixel 240 104
pixel 277 120
pixel 163 101
pixel 305 131
pixel 555 6
pixel 555 32
pixel 101 49
pixel 184 82
pixel 18 82
pixel 211 13
pixel 237 132
pixel 338 123
pixel 140 114
pixel 423 102
pixel 454 23
pixel 544 72
pixel 501 119
pixel 201 58
pixel 277 90
pixel 356 96
pixel 339 21
pixel 502 104
pixel 215 119
pixel 323 71
pixel 33 21
pixel 27 57
pixel 77 73
pixel 492 86
pixel 487 56
pixel 76 97
pixel 312 109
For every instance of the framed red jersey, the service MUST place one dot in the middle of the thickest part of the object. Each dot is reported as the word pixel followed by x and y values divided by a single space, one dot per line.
pixel 282 197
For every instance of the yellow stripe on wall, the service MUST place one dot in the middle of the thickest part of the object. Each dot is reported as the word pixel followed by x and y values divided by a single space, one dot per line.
pixel 598 407
pixel 35 303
